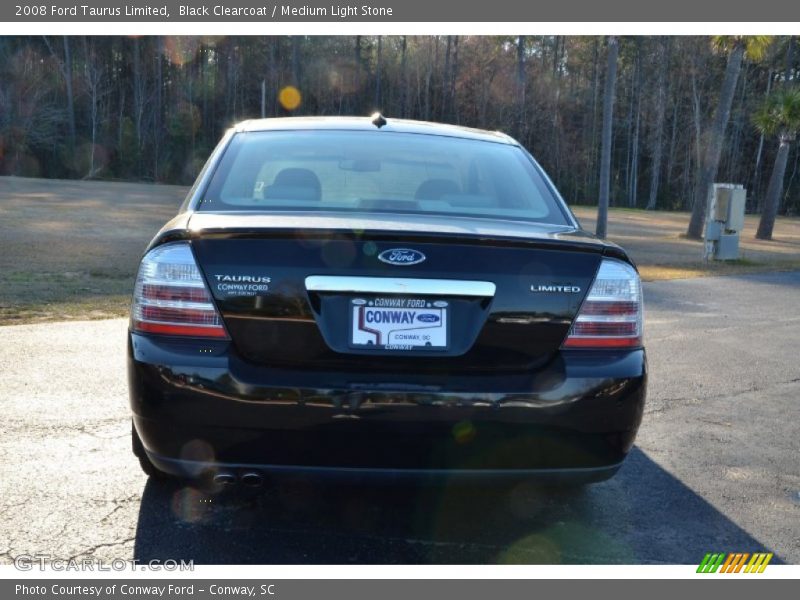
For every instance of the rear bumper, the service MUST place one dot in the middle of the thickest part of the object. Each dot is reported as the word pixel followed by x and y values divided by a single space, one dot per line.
pixel 198 408
pixel 197 469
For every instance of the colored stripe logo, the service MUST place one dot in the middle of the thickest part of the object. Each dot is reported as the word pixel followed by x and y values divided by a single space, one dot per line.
pixel 734 562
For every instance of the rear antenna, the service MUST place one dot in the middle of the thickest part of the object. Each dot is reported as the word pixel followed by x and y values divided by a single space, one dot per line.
pixel 378 120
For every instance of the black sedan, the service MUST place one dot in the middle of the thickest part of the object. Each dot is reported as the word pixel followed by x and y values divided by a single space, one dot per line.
pixel 377 297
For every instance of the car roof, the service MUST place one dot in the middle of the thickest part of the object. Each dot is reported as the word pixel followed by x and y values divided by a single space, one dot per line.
pixel 366 124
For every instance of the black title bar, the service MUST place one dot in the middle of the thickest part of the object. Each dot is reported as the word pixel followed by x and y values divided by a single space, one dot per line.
pixel 396 11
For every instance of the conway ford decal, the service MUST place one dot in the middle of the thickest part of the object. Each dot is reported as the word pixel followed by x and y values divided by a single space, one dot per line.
pixel 401 256
pixel 243 286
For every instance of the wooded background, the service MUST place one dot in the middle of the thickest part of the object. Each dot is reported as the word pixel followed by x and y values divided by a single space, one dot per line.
pixel 152 108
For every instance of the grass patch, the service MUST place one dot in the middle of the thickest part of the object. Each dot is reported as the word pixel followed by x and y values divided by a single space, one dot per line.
pixel 87 308
pixel 33 297
pixel 662 272
pixel 740 266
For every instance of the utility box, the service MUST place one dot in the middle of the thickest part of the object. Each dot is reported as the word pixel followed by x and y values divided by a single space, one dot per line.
pixel 725 221
pixel 729 206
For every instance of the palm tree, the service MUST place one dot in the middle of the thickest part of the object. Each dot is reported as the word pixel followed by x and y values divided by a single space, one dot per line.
pixel 736 46
pixel 779 115
pixel 605 149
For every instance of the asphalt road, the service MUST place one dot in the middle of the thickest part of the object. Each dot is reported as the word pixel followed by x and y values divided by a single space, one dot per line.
pixel 716 466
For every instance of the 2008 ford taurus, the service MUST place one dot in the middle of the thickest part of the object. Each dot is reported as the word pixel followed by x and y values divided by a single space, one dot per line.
pixel 382 297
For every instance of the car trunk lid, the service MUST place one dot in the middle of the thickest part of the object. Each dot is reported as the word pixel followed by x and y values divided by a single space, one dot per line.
pixel 318 291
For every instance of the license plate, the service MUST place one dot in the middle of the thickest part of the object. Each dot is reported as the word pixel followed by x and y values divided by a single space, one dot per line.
pixel 398 324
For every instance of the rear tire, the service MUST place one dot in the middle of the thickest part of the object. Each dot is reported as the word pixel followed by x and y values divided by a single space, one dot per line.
pixel 147 466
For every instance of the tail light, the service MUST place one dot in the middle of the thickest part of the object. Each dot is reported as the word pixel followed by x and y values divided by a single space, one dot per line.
pixel 611 314
pixel 171 297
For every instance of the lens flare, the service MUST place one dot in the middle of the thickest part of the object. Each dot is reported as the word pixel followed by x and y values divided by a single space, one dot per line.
pixel 290 97
pixel 190 505
pixel 180 50
pixel 198 452
pixel 464 432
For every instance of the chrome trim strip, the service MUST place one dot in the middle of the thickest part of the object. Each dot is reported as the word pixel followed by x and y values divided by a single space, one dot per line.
pixel 399 285
pixel 180 304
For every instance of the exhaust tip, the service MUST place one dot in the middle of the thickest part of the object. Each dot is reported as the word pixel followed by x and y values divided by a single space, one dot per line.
pixel 252 479
pixel 224 479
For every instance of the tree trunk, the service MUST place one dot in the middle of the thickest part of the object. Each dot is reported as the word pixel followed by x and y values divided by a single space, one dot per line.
pixel 486 92
pixel 378 67
pixel 789 183
pixel 273 75
pixel 93 75
pixel 404 79
pixel 433 49
pixel 671 149
pixel 605 152
pixel 445 80
pixel 70 94
pixel 757 170
pixel 120 117
pixel 357 87
pixel 740 127
pixel 698 143
pixel 520 125
pixel 138 95
pixel 159 108
pixel 633 180
pixel 787 72
pixel 595 88
pixel 629 129
pixel 716 137
pixel 296 61
pixel 138 103
pixel 453 76
pixel 658 136
pixel 774 192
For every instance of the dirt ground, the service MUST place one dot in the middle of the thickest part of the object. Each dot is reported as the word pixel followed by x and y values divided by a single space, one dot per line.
pixel 69 249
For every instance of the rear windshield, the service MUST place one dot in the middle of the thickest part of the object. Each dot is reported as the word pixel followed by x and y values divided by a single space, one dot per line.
pixel 380 171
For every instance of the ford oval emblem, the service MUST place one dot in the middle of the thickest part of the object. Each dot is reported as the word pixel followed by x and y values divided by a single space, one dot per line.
pixel 401 256
pixel 428 318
